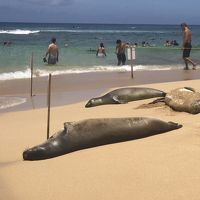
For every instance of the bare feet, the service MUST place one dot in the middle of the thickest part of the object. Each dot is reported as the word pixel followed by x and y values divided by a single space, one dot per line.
pixel 194 67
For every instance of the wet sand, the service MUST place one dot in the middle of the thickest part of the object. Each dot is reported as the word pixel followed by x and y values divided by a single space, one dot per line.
pixel 73 88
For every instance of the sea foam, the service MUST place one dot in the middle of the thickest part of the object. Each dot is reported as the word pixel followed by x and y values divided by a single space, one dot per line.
pixel 7 102
pixel 18 32
pixel 41 72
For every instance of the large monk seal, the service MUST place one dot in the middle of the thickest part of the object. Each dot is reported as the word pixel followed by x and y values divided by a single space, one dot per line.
pixel 95 132
pixel 125 95
pixel 184 99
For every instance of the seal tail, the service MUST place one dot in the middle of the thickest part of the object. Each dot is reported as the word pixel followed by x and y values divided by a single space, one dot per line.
pixel 176 125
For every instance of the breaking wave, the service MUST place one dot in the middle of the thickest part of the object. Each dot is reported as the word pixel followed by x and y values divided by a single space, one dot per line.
pixel 7 102
pixel 19 32
pixel 78 69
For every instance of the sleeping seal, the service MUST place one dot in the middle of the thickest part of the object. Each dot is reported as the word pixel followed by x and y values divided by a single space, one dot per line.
pixel 125 95
pixel 95 132
pixel 184 99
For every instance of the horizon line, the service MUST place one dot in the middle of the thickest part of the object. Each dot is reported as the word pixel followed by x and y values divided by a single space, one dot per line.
pixel 95 23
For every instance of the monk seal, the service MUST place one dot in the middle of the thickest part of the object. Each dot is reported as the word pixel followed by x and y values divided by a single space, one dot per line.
pixel 95 132
pixel 125 95
pixel 184 99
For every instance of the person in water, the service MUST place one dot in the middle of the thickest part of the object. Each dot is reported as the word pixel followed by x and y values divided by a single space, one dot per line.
pixel 187 46
pixel 52 53
pixel 101 51
pixel 120 51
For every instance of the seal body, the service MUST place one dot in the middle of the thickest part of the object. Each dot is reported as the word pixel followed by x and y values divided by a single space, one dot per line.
pixel 184 100
pixel 125 95
pixel 94 132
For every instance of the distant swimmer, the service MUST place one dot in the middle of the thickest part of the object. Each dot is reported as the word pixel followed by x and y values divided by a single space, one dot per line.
pixel 91 50
pixel 7 43
pixel 52 53
pixel 66 45
pixel 120 51
pixel 101 51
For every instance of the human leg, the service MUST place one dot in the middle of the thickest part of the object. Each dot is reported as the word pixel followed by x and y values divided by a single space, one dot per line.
pixel 123 59
pixel 119 59
pixel 186 56
pixel 186 63
pixel 191 62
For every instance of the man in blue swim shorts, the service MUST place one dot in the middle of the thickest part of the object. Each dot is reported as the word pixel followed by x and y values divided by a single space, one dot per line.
pixel 120 51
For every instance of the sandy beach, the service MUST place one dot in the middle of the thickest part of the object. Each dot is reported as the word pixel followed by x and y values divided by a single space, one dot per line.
pixel 160 167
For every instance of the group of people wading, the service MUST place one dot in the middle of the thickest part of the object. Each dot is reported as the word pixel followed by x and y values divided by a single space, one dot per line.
pixel 53 52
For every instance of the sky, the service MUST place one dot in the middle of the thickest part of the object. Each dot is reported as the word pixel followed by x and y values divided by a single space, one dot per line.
pixel 101 11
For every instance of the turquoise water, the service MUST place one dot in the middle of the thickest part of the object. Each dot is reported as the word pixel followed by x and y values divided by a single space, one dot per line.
pixel 75 41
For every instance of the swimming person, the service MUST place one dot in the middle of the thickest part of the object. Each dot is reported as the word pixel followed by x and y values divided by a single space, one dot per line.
pixel 52 53
pixel 101 51
pixel 187 46
pixel 120 51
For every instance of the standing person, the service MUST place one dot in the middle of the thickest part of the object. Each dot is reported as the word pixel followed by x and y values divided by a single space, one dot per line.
pixel 101 51
pixel 187 46
pixel 120 51
pixel 52 53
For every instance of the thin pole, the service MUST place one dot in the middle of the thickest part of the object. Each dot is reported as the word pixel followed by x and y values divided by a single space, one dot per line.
pixel 131 62
pixel 49 106
pixel 31 74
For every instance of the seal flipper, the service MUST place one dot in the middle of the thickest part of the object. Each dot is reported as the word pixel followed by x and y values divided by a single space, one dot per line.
pixel 190 88
pixel 118 101
pixel 158 100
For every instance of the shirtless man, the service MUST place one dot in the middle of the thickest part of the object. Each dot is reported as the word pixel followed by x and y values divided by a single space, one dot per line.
pixel 52 52
pixel 120 51
pixel 187 46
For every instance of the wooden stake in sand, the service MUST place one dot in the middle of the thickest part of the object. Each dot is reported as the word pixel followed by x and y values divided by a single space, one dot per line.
pixel 131 57
pixel 49 106
pixel 31 63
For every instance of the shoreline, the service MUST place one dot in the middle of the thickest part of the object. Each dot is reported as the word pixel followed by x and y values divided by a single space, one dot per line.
pixel 74 88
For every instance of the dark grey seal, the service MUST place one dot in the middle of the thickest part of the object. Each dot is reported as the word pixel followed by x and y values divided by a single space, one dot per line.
pixel 95 132
pixel 125 95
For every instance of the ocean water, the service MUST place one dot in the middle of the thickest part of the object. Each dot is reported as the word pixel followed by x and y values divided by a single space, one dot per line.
pixel 76 40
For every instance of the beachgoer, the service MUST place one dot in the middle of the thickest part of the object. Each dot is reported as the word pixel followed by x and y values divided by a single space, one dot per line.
pixel 143 44
pixel 7 43
pixel 91 50
pixel 135 45
pixel 52 53
pixel 175 43
pixel 167 43
pixel 187 46
pixel 120 51
pixel 101 51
